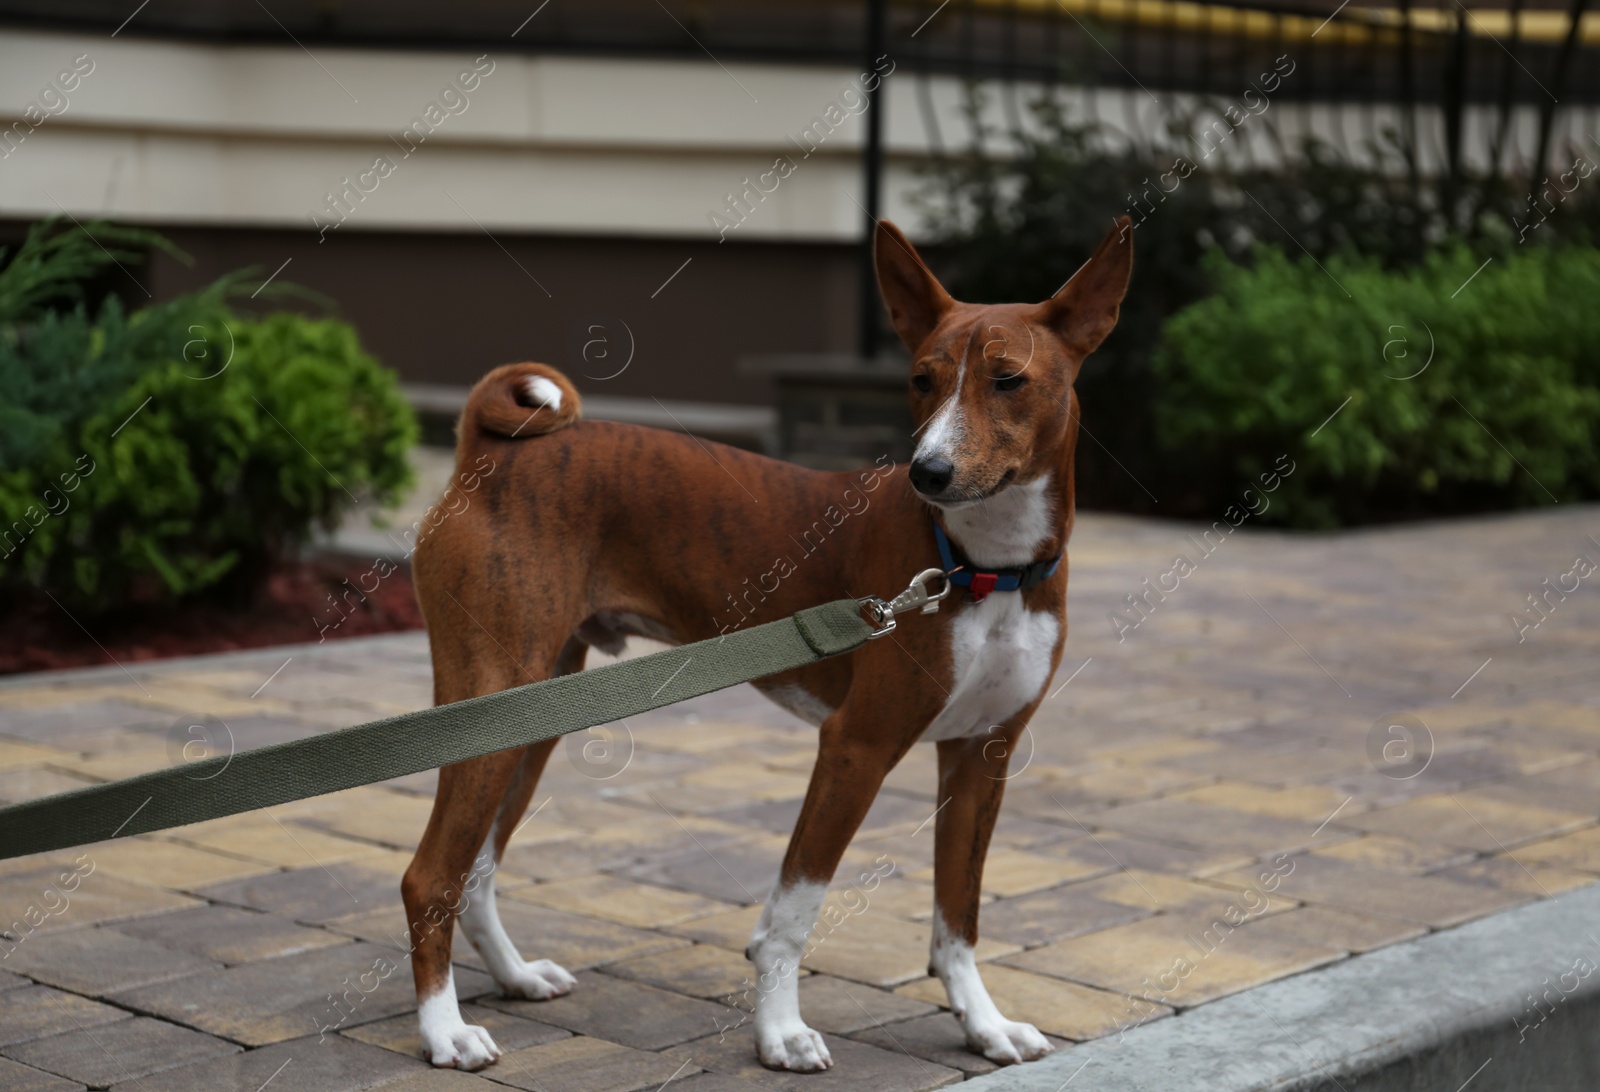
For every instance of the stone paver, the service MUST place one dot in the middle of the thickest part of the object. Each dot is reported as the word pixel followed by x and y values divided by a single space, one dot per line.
pixel 1394 854
pixel 16 1077
pixel 442 1080
pixel 842 1008
pixel 260 836
pixel 856 1065
pixel 623 1012
pixel 643 906
pixel 1578 851
pixel 703 970
pixel 124 1051
pixel 400 1034
pixel 101 961
pixel 37 1011
pixel 172 864
pixel 95 899
pixel 937 1038
pixel 1428 900
pixel 228 934
pixel 1174 960
pixel 315 895
pixel 1208 805
pixel 593 1065
pixel 574 941
pixel 1047 916
pixel 287 997
pixel 1355 933
pixel 337 1063
pixel 714 1082
pixel 1064 1009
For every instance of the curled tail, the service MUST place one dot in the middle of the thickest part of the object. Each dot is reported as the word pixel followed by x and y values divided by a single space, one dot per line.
pixel 520 400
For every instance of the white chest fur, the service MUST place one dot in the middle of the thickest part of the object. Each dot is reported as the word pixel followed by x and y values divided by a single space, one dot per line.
pixel 1000 650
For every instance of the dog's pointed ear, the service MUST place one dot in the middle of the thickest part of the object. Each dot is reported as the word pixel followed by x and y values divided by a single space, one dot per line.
pixel 1085 309
pixel 916 300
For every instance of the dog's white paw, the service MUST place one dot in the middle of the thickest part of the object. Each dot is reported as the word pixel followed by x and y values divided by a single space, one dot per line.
pixel 794 1047
pixel 462 1046
pixel 1007 1041
pixel 539 981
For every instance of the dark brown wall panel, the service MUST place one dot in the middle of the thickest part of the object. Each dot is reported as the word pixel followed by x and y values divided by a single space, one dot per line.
pixel 445 308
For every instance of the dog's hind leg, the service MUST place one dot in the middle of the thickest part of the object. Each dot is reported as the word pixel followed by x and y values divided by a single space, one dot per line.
pixel 541 979
pixel 434 891
pixel 446 876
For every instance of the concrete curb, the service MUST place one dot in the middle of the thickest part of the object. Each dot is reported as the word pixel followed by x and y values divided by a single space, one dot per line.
pixel 1483 1005
pixel 203 661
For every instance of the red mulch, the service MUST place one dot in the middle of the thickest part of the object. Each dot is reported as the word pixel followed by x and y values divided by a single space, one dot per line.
pixel 37 635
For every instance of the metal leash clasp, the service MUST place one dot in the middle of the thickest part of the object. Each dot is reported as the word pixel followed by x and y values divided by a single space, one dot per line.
pixel 916 596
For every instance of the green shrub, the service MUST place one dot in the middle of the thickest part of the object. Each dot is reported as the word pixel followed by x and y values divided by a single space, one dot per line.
pixel 1014 227
pixel 1504 411
pixel 181 448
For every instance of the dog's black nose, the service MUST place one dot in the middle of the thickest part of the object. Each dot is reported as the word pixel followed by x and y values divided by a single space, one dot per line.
pixel 931 476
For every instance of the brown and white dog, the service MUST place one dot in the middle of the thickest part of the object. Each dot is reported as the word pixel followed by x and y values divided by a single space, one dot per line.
pixel 588 532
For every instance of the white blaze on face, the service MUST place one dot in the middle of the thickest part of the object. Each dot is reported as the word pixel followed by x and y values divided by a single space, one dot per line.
pixel 943 433
pixel 543 392
pixel 943 436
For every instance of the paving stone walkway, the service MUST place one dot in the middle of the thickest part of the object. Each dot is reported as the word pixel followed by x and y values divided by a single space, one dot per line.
pixel 1312 747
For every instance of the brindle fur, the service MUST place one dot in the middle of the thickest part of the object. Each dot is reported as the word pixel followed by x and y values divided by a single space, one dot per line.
pixel 583 525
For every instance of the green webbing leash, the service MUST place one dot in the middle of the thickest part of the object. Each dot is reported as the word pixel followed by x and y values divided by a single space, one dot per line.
pixel 412 742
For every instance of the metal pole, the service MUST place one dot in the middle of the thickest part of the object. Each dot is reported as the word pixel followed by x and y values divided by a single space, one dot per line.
pixel 1547 110
pixel 872 172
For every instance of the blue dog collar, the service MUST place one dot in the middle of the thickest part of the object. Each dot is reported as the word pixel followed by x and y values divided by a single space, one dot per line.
pixel 981 582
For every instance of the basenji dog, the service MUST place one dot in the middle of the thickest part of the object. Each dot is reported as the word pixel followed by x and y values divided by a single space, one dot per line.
pixel 588 532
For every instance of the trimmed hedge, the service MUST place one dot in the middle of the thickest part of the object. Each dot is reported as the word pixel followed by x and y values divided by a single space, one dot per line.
pixel 1454 398
pixel 181 448
pixel 1015 226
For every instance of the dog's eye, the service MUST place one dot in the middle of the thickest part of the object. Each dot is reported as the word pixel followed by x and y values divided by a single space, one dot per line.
pixel 1010 382
pixel 921 383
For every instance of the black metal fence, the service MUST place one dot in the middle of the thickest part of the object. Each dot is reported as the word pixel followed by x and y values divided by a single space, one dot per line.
pixel 1352 53
pixel 1443 70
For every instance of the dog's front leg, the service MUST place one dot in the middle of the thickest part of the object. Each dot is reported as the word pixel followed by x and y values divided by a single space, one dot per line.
pixel 783 1041
pixel 843 784
pixel 972 777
